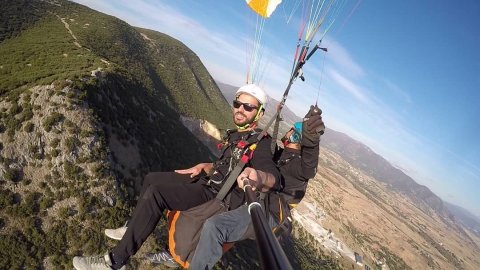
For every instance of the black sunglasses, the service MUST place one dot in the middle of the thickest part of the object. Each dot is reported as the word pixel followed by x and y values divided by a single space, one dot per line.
pixel 246 106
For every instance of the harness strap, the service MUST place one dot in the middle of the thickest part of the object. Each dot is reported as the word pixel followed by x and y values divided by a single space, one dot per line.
pixel 231 180
pixel 247 154
pixel 273 146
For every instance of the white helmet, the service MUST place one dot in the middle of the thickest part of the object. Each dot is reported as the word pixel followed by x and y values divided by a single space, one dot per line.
pixel 255 91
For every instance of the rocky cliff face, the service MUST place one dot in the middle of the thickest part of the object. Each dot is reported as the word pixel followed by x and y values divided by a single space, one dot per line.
pixel 88 106
pixel 206 132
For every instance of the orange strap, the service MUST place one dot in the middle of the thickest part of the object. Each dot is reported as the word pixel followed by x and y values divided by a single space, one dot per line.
pixel 172 220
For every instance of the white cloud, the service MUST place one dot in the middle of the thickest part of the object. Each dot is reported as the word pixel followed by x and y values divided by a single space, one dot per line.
pixel 224 74
pixel 348 85
pixel 398 91
pixel 342 59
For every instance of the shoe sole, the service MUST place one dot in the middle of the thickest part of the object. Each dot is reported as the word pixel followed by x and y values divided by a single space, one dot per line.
pixel 112 237
pixel 75 265
pixel 167 264
pixel 171 265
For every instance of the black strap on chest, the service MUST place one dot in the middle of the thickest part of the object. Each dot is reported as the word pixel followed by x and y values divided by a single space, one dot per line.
pixel 246 156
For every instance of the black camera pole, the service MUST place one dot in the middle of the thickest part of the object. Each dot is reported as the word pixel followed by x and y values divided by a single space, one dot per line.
pixel 271 253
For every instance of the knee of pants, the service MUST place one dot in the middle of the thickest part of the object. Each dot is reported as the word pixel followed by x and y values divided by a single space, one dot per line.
pixel 151 192
pixel 211 227
pixel 209 224
pixel 148 179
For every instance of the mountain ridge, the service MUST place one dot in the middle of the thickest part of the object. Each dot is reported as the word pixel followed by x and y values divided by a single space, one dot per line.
pixel 365 158
pixel 468 219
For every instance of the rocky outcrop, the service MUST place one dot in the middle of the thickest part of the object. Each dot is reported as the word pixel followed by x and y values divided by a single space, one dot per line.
pixel 206 132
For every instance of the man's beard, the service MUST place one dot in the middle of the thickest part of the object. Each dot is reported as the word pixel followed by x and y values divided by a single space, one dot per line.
pixel 243 123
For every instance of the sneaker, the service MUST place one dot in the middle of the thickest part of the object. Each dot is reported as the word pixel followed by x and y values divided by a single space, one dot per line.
pixel 93 263
pixel 117 233
pixel 162 257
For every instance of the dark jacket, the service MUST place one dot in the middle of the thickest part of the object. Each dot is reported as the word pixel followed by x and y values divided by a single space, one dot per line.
pixel 261 160
pixel 296 168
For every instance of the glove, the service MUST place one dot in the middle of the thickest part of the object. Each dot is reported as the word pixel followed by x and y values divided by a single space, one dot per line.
pixel 312 127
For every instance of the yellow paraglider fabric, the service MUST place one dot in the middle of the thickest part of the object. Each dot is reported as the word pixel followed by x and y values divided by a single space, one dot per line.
pixel 263 8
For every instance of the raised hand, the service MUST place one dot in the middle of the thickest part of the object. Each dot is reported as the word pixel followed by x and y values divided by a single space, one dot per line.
pixel 312 127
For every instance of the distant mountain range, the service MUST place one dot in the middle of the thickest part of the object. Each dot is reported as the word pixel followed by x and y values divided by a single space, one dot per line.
pixel 364 158
pixel 467 219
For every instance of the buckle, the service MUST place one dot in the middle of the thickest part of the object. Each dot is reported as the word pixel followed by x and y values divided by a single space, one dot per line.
pixel 241 144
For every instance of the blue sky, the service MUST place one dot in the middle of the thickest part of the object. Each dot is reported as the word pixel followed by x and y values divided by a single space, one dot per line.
pixel 403 77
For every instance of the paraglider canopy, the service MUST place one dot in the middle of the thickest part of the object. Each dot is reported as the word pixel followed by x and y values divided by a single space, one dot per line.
pixel 263 8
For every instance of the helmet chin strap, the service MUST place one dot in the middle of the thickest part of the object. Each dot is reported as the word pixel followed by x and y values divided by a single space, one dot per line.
pixel 252 124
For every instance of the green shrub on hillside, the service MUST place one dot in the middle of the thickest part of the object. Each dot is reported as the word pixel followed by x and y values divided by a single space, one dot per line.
pixel 15 251
pixel 27 112
pixel 45 203
pixel 68 123
pixel 6 198
pixel 15 109
pixel 28 127
pixel 61 84
pixel 12 124
pixel 28 206
pixel 73 171
pixel 86 133
pixel 65 212
pixel 32 149
pixel 12 175
pixel 71 143
pixel 52 120
pixel 54 143
pixel 54 152
pixel 98 171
